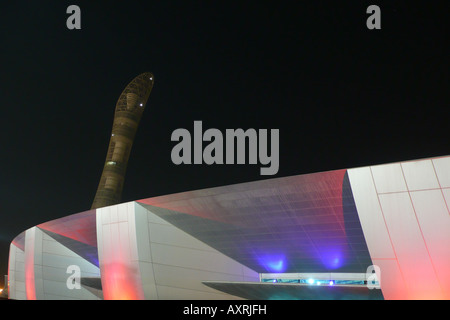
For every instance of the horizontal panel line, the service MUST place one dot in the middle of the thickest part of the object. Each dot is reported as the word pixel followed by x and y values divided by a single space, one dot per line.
pixel 416 190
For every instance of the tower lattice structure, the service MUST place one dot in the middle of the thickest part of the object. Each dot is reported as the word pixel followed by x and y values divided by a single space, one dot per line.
pixel 127 115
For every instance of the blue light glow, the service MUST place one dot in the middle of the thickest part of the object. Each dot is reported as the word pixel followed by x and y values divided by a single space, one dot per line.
pixel 275 263
pixel 335 262
pixel 333 257
pixel 311 281
pixel 331 283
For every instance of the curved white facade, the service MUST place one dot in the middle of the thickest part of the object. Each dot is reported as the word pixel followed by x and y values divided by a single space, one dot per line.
pixel 393 216
pixel 141 257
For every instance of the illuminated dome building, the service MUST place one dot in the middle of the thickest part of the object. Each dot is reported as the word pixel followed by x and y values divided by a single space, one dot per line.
pixel 312 236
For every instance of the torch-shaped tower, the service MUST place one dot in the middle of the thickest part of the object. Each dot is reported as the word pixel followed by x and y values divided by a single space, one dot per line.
pixel 127 115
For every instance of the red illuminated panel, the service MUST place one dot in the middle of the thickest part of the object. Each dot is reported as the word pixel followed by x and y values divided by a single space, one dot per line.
pixel 19 241
pixel 188 203
pixel 120 275
pixel 7 284
pixel 318 192
pixel 118 282
pixel 29 268
pixel 80 227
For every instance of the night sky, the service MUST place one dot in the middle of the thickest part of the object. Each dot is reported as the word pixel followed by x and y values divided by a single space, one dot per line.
pixel 341 95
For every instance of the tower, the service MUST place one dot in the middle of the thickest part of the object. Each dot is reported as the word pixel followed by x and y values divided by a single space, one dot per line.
pixel 128 113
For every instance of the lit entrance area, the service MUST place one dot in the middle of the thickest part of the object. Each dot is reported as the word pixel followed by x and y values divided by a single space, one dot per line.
pixel 323 279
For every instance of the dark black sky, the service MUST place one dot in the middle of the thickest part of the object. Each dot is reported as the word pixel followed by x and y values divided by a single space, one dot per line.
pixel 341 95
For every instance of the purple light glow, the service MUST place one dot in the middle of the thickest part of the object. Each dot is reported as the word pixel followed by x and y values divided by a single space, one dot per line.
pixel 275 263
pixel 333 257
